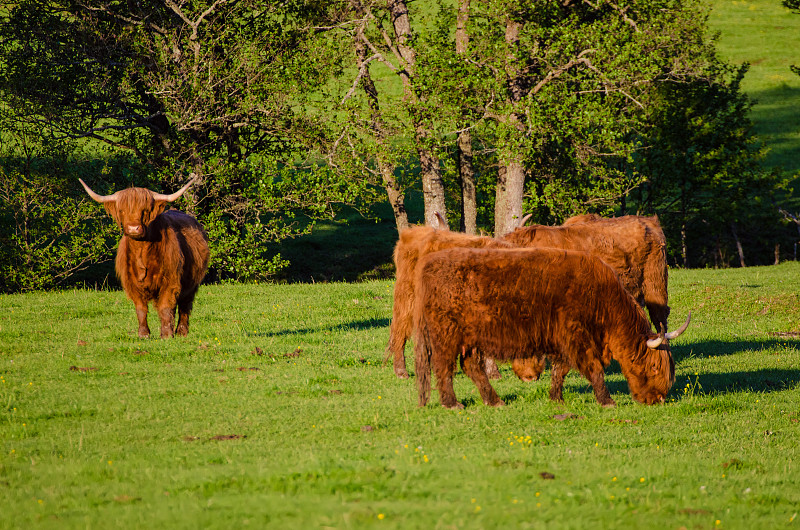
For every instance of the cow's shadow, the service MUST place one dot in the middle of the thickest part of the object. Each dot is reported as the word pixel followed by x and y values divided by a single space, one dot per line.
pixel 706 382
pixel 716 348
pixel 359 325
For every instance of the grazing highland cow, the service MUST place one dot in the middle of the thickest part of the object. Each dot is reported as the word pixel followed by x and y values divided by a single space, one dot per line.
pixel 519 303
pixel 634 246
pixel 162 256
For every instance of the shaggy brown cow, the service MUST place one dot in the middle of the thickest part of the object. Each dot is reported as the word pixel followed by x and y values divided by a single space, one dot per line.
pixel 162 256
pixel 513 304
pixel 633 245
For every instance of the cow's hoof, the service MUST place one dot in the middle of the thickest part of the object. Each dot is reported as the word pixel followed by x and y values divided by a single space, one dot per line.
pixel 402 374
pixel 609 405
pixel 456 406
pixel 498 403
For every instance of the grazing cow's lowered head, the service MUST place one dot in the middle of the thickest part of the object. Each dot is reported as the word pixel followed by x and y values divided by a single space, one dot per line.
pixel 162 256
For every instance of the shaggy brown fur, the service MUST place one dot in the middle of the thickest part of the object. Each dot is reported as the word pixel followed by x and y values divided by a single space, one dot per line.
pixel 633 245
pixel 414 243
pixel 162 257
pixel 513 304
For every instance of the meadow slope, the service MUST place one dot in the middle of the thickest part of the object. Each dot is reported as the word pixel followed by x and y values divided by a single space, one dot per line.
pixel 277 412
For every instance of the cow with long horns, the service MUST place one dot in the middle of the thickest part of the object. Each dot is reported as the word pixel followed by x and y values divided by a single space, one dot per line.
pixel 162 256
pixel 521 303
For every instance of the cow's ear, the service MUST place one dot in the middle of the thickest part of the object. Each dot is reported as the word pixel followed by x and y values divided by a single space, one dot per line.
pixel 111 208
pixel 158 209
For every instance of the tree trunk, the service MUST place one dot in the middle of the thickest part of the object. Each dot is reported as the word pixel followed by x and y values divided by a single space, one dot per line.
pixel 511 171
pixel 738 245
pixel 777 254
pixel 430 172
pixel 466 171
pixel 469 200
pixel 393 189
pixel 508 196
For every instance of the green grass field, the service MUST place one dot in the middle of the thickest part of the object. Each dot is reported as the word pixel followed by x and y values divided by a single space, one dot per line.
pixel 277 412
pixel 766 35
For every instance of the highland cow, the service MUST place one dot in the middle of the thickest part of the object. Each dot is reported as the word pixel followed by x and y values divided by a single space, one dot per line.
pixel 522 303
pixel 162 256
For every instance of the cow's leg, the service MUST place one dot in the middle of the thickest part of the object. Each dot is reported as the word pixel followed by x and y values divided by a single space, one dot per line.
pixel 490 366
pixel 399 332
pixel 184 310
pixel 445 366
pixel 474 366
pixel 166 313
pixel 529 368
pixel 141 316
pixel 593 371
pixel 402 319
pixel 558 370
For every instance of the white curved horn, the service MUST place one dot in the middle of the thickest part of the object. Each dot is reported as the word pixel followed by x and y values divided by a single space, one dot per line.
pixel 524 220
pixel 656 342
pixel 442 224
pixel 674 334
pixel 173 196
pixel 95 196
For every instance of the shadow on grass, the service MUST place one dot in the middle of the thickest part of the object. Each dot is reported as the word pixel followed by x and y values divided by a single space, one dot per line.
pixel 714 348
pixel 776 116
pixel 360 325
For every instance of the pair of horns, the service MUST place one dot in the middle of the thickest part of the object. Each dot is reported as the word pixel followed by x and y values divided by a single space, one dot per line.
pixel 656 342
pixel 156 196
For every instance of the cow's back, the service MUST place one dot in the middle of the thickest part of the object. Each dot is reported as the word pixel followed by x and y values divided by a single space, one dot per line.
pixel 513 302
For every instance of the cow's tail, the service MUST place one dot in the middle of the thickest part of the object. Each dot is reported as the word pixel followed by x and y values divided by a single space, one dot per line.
pixel 422 361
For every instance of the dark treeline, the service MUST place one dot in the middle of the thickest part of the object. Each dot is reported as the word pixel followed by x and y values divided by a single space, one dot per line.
pixel 492 109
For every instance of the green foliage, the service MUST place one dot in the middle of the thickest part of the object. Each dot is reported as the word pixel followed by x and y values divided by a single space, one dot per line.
pixel 704 175
pixel 278 412
pixel 47 233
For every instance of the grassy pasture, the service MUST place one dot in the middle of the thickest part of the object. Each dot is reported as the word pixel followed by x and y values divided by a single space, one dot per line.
pixel 277 412
pixel 766 35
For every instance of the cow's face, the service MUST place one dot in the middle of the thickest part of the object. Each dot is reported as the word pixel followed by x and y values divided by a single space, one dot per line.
pixel 652 379
pixel 134 210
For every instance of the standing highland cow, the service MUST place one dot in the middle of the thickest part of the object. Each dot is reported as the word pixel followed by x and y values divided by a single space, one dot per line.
pixel 162 256
pixel 521 303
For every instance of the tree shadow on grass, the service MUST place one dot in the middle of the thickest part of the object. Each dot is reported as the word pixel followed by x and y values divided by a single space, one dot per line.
pixel 360 325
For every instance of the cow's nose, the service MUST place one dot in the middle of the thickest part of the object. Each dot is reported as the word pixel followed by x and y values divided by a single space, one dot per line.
pixel 135 230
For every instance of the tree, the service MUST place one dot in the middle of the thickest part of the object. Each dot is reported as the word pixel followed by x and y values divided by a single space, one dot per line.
pixel 705 180
pixel 218 88
pixel 557 90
